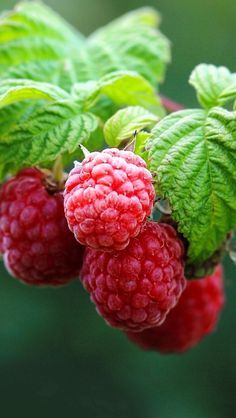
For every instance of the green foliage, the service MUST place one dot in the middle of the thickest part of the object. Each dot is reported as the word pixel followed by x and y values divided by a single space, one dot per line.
pixel 51 130
pixel 140 144
pixel 59 90
pixel 132 42
pixel 122 87
pixel 14 90
pixel 215 86
pixel 57 87
pixel 35 43
pixel 193 154
pixel 123 124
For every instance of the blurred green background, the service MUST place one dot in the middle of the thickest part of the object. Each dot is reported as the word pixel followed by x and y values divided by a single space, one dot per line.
pixel 57 357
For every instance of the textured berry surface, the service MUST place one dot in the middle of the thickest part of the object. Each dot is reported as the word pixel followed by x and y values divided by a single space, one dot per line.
pixel 195 316
pixel 37 245
pixel 135 288
pixel 107 199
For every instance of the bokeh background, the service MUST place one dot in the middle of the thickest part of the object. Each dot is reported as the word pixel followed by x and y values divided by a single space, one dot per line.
pixel 57 357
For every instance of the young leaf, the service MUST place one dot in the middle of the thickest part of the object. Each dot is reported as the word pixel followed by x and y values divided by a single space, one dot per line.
pixel 145 16
pixel 193 154
pixel 129 43
pixel 215 86
pixel 14 90
pixel 129 88
pixel 53 129
pixel 123 88
pixel 37 44
pixel 125 123
pixel 140 144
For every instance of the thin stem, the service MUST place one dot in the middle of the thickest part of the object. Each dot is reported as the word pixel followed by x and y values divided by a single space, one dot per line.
pixel 57 170
pixel 170 105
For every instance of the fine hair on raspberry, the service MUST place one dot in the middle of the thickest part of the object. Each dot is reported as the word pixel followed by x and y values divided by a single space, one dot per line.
pixel 135 288
pixel 108 198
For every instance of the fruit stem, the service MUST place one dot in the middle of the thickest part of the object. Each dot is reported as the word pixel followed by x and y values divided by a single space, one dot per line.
pixel 58 173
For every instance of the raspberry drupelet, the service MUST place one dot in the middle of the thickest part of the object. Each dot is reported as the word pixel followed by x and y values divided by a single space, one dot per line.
pixel 135 288
pixel 107 198
pixel 37 245
pixel 195 316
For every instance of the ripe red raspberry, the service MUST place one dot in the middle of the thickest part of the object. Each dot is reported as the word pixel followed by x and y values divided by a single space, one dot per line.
pixel 38 248
pixel 135 288
pixel 107 199
pixel 195 316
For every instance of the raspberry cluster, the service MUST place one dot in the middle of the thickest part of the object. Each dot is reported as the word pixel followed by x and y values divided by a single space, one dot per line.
pixel 133 268
pixel 37 246
pixel 107 198
pixel 195 316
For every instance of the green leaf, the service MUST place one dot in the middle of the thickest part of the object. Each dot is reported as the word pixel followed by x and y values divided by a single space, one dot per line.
pixel 145 16
pixel 129 88
pixel 215 86
pixel 51 130
pixel 123 88
pixel 37 48
pixel 125 123
pixel 93 143
pixel 129 43
pixel 193 154
pixel 104 108
pixel 16 112
pixel 37 44
pixel 140 144
pixel 14 90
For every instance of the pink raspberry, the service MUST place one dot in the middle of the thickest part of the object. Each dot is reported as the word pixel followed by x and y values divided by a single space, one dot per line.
pixel 107 199
pixel 195 316
pixel 37 246
pixel 135 288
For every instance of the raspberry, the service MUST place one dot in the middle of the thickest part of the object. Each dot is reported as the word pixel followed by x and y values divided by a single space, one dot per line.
pixel 38 248
pixel 195 316
pixel 107 199
pixel 135 288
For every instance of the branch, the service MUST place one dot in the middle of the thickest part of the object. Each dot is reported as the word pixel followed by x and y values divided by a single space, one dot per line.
pixel 170 105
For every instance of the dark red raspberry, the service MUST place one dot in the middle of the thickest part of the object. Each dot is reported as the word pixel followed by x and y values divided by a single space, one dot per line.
pixel 107 199
pixel 37 245
pixel 195 316
pixel 135 288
